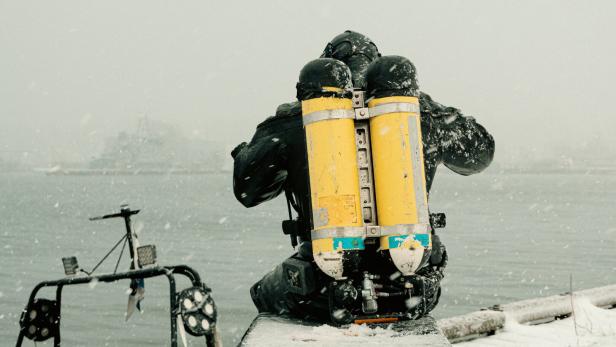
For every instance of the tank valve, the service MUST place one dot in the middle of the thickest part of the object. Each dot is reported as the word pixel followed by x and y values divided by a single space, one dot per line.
pixel 368 294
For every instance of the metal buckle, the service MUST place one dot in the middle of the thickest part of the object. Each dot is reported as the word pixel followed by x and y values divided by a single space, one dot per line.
pixel 358 98
pixel 373 231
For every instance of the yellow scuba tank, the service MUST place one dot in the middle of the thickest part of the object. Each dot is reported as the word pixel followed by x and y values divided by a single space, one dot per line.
pixel 400 184
pixel 398 163
pixel 328 118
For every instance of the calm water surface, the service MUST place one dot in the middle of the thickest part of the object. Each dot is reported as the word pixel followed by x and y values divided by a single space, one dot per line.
pixel 509 237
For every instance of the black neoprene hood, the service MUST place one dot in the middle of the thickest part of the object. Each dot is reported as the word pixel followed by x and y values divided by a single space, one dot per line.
pixel 356 50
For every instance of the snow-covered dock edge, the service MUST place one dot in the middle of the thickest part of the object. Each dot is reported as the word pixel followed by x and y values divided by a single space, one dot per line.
pixel 532 311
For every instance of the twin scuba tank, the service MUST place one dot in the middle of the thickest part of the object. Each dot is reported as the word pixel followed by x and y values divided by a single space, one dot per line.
pixel 366 165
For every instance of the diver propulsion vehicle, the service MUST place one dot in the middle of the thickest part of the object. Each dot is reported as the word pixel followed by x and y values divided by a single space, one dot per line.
pixel 192 310
pixel 368 194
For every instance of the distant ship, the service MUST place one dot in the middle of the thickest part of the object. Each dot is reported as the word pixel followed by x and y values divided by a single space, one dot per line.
pixel 155 148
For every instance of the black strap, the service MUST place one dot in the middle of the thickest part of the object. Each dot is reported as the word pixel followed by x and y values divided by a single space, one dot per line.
pixel 288 204
pixel 291 201
pixel 291 227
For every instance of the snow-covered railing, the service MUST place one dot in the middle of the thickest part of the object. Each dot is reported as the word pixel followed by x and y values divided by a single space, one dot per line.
pixel 531 311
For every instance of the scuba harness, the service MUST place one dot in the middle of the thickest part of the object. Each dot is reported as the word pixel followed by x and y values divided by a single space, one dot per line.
pixel 370 226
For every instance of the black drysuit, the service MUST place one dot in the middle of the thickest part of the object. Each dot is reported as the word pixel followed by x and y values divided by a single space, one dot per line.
pixel 275 160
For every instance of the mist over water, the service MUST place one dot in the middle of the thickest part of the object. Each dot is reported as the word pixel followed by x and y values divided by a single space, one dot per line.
pixel 537 74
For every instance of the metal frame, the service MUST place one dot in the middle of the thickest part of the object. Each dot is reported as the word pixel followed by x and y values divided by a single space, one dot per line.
pixel 168 271
pixel 366 174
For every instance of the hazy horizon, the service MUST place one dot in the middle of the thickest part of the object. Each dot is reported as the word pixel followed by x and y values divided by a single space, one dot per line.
pixel 536 74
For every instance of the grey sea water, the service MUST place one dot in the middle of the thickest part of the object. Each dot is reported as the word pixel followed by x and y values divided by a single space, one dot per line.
pixel 509 237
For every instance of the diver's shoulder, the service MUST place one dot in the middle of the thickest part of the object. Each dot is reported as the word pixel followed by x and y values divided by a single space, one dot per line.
pixel 428 106
pixel 287 113
pixel 289 109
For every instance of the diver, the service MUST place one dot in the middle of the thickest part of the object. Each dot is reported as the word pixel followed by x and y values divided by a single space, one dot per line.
pixel 275 162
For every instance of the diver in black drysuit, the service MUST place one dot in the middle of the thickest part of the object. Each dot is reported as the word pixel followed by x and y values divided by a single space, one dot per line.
pixel 275 161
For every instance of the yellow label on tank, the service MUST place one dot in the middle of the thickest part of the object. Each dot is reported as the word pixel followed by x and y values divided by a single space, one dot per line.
pixel 332 165
pixel 397 153
pixel 344 207
pixel 327 103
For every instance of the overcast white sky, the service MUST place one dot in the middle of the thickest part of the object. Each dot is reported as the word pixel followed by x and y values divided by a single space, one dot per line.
pixel 538 74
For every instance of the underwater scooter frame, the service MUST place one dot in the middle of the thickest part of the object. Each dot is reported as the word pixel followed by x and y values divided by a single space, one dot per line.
pixel 192 310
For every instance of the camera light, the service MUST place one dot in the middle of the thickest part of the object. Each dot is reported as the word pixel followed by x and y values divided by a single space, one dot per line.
pixel 40 320
pixel 70 265
pixel 146 255
pixel 197 311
